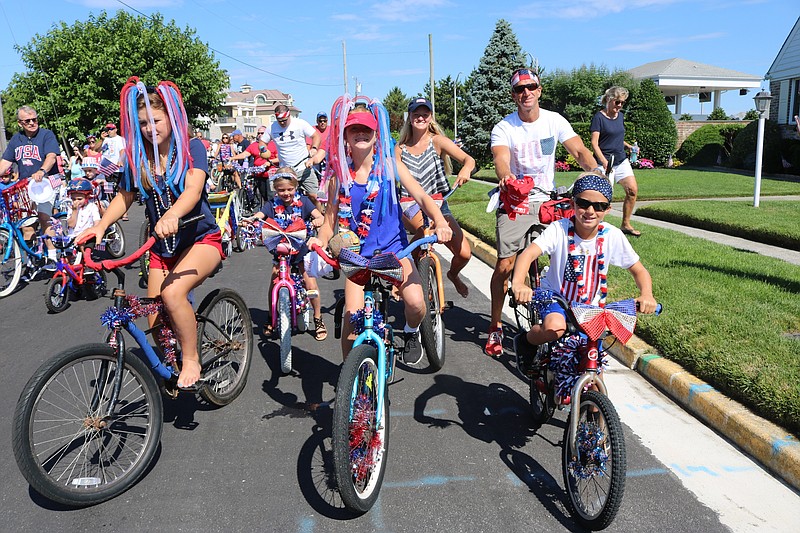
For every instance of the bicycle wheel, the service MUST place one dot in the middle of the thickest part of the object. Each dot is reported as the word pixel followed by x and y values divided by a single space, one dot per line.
pixel 144 261
pixel 115 241
pixel 359 443
pixel 542 395
pixel 10 270
pixel 225 343
pixel 523 314
pixel 68 445
pixel 56 295
pixel 594 476
pixel 432 326
pixel 285 329
pixel 236 227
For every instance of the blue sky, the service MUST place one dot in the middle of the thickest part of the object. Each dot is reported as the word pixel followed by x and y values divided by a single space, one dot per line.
pixel 298 47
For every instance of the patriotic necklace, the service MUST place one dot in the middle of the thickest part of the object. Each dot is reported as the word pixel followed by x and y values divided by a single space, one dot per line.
pixel 602 267
pixel 280 208
pixel 364 221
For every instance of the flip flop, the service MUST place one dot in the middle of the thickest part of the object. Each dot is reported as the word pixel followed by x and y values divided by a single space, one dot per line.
pixel 632 232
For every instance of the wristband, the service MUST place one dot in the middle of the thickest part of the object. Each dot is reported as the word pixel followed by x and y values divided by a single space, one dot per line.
pixel 600 169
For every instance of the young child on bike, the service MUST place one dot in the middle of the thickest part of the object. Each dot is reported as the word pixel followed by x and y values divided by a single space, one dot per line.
pixel 287 206
pixel 362 198
pixel 580 248
pixel 169 168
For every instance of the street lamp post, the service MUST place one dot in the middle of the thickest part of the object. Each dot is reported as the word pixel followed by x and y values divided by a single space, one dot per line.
pixel 762 100
pixel 455 107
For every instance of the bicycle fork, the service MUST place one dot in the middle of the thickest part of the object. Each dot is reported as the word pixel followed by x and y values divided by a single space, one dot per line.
pixel 589 378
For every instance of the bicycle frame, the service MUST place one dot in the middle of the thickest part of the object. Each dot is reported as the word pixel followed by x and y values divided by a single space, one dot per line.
pixel 283 280
pixel 15 232
pixel 589 367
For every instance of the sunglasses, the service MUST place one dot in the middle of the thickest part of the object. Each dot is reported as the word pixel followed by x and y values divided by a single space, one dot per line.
pixel 519 89
pixel 619 102
pixel 33 120
pixel 585 204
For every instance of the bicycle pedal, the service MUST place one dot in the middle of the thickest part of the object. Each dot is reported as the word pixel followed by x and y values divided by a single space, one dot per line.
pixel 448 304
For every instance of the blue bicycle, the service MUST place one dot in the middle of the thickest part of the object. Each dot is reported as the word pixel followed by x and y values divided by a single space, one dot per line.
pixel 361 410
pixel 88 423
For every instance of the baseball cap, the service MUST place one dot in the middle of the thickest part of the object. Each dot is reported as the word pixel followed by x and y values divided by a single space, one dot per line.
pixel 111 125
pixel 236 132
pixel 363 118
pixel 523 74
pixel 419 102
pixel 322 114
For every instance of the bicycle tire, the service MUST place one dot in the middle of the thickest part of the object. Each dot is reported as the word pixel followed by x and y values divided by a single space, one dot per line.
pixel 432 337
pixel 524 316
pixel 542 394
pixel 115 245
pixel 72 454
pixel 285 329
pixel 11 270
pixel 359 446
pixel 144 261
pixel 237 243
pixel 56 295
pixel 227 331
pixel 97 287
pixel 595 481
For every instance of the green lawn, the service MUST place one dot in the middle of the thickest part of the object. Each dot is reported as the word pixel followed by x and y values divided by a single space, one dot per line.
pixel 729 315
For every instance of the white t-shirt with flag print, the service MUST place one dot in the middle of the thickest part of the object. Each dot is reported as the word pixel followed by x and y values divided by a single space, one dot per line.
pixel 561 276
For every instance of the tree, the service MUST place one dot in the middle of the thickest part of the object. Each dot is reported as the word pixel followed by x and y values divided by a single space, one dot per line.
pixel 751 115
pixel 444 101
pixel 396 103
pixel 717 114
pixel 655 127
pixel 75 72
pixel 488 97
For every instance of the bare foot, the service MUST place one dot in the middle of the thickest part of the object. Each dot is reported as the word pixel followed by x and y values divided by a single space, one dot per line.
pixel 461 287
pixel 190 373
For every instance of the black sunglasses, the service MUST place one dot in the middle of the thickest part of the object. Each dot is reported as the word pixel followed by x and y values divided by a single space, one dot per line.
pixel 519 89
pixel 33 120
pixel 598 206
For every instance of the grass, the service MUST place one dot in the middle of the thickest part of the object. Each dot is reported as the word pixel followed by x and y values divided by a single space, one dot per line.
pixel 773 222
pixel 729 314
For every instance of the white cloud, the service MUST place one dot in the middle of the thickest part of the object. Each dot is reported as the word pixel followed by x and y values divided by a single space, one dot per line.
pixel 406 10
pixel 583 9
pixel 664 44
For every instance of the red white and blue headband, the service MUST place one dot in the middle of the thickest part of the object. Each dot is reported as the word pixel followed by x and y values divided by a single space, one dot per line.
pixel 282 116
pixel 523 74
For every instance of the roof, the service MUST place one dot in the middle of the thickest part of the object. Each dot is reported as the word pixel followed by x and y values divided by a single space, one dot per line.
pixel 787 63
pixel 681 76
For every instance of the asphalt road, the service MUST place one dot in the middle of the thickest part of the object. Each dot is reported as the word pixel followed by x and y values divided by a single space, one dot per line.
pixel 462 455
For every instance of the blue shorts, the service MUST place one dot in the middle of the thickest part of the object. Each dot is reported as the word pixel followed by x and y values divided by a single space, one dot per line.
pixel 546 308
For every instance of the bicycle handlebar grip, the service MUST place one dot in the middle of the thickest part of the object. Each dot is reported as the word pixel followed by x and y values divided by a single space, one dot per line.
pixel 659 308
pixel 430 239
pixel 324 255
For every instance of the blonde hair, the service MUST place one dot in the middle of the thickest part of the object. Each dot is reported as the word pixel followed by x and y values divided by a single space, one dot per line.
pixel 614 93
pixel 288 174
pixel 433 129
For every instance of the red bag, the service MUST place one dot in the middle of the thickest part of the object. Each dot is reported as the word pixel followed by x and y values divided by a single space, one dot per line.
pixel 514 198
pixel 553 210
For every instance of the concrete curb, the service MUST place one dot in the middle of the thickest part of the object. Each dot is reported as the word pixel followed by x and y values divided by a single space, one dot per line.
pixel 767 443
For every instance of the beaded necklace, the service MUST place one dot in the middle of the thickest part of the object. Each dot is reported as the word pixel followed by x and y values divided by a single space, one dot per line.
pixel 602 267
pixel 281 217
pixel 364 221
pixel 163 202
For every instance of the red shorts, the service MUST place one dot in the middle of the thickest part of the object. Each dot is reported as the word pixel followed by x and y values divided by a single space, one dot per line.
pixel 168 263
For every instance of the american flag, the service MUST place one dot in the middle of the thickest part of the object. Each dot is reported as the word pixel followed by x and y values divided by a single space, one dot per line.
pixel 107 168
pixel 570 288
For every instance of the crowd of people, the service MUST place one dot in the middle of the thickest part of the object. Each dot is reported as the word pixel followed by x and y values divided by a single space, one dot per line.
pixel 356 168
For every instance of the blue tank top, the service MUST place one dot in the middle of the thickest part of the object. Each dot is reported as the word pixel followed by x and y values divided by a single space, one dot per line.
pixel 386 234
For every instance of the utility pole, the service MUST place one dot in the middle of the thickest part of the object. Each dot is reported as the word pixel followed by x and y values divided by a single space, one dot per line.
pixel 344 62
pixel 2 128
pixel 433 84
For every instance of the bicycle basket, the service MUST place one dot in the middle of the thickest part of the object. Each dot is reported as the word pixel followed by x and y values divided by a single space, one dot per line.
pixel 16 202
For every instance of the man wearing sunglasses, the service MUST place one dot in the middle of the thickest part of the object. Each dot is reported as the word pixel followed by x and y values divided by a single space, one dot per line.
pixel 524 144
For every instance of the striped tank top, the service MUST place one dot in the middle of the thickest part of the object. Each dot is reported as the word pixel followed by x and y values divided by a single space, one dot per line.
pixel 427 168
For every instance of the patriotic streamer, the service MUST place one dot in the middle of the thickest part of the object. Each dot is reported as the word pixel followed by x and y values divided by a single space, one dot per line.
pixel 617 317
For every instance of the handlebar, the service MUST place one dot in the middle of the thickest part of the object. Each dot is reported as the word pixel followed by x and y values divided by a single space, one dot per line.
pixel 405 252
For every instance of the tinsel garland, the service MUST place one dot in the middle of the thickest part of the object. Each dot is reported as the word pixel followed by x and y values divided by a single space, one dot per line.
pixel 592 458
pixel 300 293
pixel 378 324
pixel 365 441
pixel 115 317
pixel 565 359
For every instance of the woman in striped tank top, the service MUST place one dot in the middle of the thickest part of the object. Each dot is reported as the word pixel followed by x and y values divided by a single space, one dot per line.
pixel 426 152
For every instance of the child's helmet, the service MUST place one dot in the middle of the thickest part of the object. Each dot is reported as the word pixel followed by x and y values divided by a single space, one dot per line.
pixel 80 185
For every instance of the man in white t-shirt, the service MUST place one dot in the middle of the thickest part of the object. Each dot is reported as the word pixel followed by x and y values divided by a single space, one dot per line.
pixel 524 144
pixel 289 135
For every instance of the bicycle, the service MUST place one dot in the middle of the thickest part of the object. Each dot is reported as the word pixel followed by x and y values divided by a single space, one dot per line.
pixel 431 329
pixel 289 299
pixel 228 215
pixel 88 422
pixel 71 278
pixel 361 409
pixel 249 196
pixel 567 374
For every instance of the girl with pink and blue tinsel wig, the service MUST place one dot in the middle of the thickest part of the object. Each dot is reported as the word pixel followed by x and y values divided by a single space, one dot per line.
pixel 361 175
pixel 168 168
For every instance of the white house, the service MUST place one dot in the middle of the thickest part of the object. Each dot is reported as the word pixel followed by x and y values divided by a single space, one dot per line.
pixel 784 79
pixel 249 108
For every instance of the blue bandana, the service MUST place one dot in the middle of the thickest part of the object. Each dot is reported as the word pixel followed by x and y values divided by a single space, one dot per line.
pixel 592 182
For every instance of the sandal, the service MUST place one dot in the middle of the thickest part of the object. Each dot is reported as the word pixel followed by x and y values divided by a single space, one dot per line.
pixel 268 331
pixel 320 332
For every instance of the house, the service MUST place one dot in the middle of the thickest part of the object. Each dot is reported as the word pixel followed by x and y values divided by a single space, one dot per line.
pixel 784 80
pixel 247 109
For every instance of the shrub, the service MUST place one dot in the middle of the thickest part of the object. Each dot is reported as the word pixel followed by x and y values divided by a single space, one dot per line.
pixel 655 128
pixel 717 114
pixel 743 153
pixel 686 117
pixel 708 145
pixel 790 149
pixel 751 115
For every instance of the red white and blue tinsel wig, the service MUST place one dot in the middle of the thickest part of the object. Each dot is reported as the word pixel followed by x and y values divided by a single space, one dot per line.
pixel 384 169
pixel 179 160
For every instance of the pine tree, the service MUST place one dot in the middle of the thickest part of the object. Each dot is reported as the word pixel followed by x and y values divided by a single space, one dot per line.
pixel 655 128
pixel 488 97
pixel 396 103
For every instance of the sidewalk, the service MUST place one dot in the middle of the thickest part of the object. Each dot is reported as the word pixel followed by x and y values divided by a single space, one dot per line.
pixel 768 443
